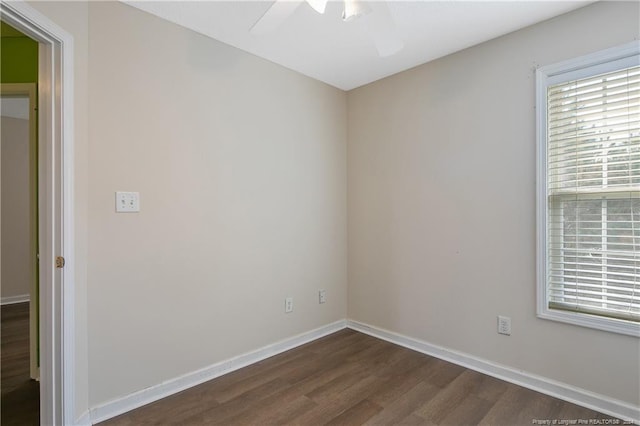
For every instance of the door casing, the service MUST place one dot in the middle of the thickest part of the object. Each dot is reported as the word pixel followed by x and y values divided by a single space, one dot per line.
pixel 55 207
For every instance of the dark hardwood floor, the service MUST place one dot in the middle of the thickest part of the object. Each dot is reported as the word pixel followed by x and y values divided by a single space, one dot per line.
pixel 349 378
pixel 20 403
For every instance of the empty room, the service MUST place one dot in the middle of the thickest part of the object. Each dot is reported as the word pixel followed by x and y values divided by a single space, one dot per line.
pixel 317 212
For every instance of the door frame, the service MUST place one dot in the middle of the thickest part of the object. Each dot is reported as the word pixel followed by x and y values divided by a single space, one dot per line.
pixel 28 90
pixel 55 207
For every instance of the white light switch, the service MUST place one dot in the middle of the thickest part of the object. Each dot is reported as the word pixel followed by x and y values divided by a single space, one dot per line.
pixel 127 202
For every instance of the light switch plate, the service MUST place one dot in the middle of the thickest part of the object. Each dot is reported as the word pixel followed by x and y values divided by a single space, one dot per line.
pixel 127 202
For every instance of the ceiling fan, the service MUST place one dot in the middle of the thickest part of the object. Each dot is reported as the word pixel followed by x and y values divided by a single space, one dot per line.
pixel 375 16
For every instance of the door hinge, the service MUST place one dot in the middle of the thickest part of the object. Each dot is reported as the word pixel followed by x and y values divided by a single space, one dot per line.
pixel 59 262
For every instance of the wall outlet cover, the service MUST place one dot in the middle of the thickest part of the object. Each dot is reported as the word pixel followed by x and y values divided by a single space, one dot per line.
pixel 504 325
pixel 127 202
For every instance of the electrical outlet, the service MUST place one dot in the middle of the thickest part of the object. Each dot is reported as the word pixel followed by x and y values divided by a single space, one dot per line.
pixel 504 325
pixel 127 202
pixel 322 296
pixel 288 305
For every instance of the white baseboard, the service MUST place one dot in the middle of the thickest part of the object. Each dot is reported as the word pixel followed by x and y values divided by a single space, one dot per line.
pixel 84 419
pixel 10 300
pixel 146 396
pixel 585 398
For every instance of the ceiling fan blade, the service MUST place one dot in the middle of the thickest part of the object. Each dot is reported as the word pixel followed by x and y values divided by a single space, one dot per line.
pixel 318 5
pixel 279 11
pixel 354 9
pixel 382 29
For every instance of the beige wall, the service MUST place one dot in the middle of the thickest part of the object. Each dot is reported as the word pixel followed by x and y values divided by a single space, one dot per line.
pixel 73 18
pixel 441 183
pixel 16 236
pixel 241 169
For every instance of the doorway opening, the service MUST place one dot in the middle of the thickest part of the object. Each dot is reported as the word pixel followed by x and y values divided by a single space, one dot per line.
pixel 19 253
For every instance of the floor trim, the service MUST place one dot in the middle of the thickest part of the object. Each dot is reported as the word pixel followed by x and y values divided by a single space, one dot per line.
pixel 146 396
pixel 585 398
pixel 84 419
pixel 10 300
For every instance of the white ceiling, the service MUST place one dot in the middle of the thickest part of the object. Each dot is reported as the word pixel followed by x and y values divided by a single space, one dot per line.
pixel 343 54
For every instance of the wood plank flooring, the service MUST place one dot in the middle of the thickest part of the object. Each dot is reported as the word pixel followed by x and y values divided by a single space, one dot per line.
pixel 349 378
pixel 20 403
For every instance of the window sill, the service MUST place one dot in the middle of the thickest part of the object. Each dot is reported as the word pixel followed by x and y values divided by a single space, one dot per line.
pixel 592 321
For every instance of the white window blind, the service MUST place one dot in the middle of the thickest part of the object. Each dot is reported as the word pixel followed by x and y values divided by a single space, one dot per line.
pixel 593 195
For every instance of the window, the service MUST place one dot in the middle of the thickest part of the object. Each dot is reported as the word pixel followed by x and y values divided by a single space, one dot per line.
pixel 588 121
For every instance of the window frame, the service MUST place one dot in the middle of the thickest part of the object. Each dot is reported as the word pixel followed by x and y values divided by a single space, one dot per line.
pixel 589 65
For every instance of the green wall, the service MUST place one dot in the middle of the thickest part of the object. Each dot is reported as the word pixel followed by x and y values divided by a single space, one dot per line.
pixel 18 56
